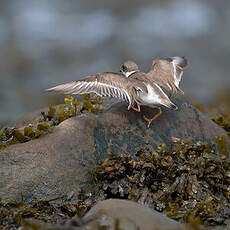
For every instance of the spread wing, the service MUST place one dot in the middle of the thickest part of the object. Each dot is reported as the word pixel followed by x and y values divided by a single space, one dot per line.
pixel 179 63
pixel 167 72
pixel 103 84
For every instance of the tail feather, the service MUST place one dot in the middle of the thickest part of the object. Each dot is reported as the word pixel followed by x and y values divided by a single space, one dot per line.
pixel 180 90
pixel 180 61
pixel 170 105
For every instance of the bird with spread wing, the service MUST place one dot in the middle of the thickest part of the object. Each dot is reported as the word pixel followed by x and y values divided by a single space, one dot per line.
pixel 132 85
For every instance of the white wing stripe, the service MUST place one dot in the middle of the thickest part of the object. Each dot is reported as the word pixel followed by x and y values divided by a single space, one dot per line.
pixel 177 79
pixel 174 73
pixel 102 89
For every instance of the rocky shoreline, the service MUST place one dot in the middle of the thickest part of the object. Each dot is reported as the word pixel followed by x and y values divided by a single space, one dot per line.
pixel 69 156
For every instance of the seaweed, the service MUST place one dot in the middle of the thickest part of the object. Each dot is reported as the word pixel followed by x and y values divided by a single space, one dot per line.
pixel 16 135
pixel 54 116
pixel 51 112
pixel 222 122
pixel 222 145
pixel 188 183
pixel 17 213
pixel 218 110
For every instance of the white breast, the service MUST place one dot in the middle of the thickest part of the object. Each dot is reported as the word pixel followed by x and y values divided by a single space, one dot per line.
pixel 151 97
pixel 127 74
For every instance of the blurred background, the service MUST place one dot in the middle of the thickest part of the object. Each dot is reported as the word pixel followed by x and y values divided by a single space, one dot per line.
pixel 45 43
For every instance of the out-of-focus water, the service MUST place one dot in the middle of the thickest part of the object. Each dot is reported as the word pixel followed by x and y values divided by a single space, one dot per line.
pixel 45 43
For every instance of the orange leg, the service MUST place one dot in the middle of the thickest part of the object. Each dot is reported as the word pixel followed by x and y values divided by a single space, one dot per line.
pixel 152 119
pixel 138 109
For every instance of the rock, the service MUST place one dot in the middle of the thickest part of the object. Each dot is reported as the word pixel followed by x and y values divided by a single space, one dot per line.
pixel 31 117
pixel 126 215
pixel 113 214
pixel 61 162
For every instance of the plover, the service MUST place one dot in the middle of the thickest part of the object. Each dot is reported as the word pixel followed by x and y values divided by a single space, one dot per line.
pixel 134 87
pixel 166 72
pixel 155 95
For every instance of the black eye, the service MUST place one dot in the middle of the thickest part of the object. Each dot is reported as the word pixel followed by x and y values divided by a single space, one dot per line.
pixel 124 68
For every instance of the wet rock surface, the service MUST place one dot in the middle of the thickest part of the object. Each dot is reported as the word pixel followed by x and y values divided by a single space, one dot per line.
pixel 61 162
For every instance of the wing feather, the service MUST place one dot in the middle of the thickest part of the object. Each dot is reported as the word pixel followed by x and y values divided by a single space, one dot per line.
pixel 103 84
pixel 167 72
pixel 179 64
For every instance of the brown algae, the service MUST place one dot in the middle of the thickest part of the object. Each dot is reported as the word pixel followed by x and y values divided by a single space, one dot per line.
pixel 189 182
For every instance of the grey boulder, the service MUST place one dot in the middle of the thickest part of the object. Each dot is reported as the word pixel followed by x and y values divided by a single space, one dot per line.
pixel 62 161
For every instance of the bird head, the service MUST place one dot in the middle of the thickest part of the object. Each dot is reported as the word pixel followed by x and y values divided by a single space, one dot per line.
pixel 128 68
